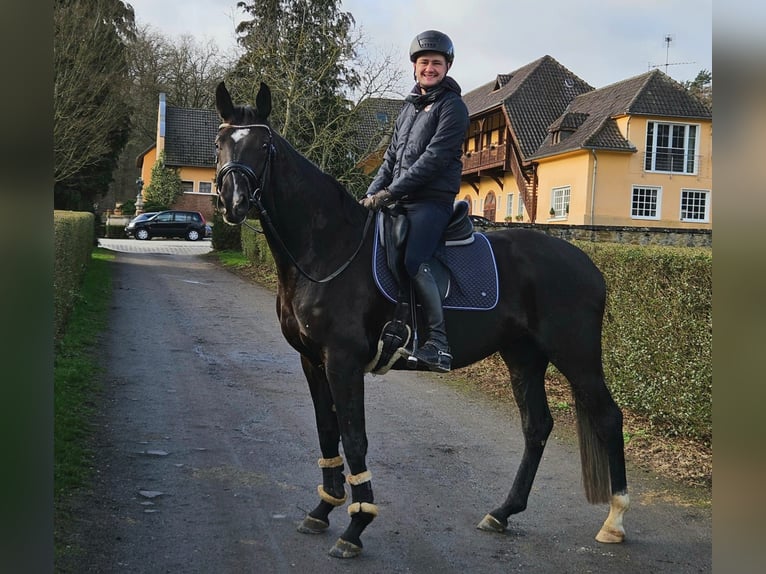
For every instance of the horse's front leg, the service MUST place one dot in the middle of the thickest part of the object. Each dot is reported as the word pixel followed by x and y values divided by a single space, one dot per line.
pixel 331 492
pixel 346 379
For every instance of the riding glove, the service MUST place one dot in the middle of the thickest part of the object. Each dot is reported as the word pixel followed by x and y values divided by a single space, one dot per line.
pixel 377 200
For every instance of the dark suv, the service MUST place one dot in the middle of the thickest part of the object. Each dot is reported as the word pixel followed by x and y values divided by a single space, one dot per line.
pixel 187 224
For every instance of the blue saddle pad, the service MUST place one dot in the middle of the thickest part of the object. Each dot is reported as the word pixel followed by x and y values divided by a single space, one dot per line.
pixel 472 268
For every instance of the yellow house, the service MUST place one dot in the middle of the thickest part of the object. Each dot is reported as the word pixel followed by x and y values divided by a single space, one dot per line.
pixel 187 136
pixel 545 146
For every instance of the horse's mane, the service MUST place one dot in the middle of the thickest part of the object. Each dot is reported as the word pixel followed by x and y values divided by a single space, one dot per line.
pixel 249 115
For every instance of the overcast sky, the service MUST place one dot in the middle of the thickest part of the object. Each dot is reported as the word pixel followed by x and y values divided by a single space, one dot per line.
pixel 601 41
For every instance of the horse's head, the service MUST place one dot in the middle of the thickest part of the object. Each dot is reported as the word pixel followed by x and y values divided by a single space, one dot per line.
pixel 244 148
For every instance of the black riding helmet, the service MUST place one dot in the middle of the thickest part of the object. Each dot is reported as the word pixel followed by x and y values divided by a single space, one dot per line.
pixel 432 41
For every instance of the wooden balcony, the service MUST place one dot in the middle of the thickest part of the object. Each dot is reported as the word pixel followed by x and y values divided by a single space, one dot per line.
pixel 489 158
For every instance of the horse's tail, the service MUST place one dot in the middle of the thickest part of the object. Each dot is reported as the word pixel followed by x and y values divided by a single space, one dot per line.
pixel 593 457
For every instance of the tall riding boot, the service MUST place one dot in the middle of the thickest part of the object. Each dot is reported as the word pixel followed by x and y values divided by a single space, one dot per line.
pixel 435 351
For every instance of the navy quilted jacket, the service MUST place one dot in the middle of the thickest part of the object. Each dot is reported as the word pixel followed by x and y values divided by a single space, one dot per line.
pixel 423 159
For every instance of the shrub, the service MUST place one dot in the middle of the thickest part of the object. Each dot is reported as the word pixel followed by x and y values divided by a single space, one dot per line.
pixel 255 247
pixel 225 236
pixel 164 187
pixel 74 237
pixel 658 333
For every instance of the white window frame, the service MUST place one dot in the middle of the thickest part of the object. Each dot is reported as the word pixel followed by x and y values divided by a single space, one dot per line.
pixel 509 205
pixel 520 206
pixel 658 202
pixel 560 198
pixel 187 186
pixel 705 195
pixel 689 147
pixel 209 183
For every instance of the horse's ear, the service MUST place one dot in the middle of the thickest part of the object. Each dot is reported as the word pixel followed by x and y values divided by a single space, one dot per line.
pixel 223 102
pixel 263 101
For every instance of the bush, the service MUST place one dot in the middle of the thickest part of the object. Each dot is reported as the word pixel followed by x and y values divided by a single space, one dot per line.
pixel 74 237
pixel 255 247
pixel 225 236
pixel 658 333
pixel 115 231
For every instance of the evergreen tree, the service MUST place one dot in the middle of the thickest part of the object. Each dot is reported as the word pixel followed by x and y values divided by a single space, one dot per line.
pixel 701 87
pixel 164 188
pixel 302 49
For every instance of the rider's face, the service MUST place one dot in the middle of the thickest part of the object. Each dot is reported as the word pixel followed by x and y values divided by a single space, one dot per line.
pixel 430 69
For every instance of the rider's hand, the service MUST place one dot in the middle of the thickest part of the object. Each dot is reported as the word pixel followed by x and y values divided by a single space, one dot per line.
pixel 377 200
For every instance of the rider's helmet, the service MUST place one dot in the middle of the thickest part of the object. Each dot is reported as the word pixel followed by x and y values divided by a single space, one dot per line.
pixel 432 41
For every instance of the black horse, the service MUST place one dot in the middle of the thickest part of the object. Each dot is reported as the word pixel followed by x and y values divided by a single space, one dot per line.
pixel 550 310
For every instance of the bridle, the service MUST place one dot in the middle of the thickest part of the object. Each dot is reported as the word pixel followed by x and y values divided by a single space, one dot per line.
pixel 256 184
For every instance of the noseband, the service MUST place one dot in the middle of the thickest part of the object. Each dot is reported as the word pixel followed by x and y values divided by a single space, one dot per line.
pixel 255 183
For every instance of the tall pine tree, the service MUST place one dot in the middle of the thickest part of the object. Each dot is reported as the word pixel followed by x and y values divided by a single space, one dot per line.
pixel 302 49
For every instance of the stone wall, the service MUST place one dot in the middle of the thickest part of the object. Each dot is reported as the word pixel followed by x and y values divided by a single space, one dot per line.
pixel 628 235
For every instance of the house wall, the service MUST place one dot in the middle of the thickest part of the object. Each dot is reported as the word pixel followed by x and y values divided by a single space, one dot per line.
pixel 573 170
pixel 150 158
pixel 487 185
pixel 196 201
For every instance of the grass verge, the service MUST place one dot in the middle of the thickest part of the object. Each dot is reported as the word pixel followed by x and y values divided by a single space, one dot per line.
pixel 75 384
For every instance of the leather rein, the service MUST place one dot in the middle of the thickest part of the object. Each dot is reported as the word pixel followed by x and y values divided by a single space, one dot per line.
pixel 256 184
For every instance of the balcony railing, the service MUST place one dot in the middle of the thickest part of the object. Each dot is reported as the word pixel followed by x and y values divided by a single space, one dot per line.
pixel 493 156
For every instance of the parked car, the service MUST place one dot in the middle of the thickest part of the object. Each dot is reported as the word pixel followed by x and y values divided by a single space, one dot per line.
pixel 190 225
pixel 481 222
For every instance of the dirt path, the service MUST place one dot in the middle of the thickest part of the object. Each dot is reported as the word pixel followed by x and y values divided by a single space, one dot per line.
pixel 206 457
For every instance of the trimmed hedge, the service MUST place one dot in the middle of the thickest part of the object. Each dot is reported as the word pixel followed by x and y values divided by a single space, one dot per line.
pixel 74 237
pixel 255 246
pixel 225 236
pixel 658 333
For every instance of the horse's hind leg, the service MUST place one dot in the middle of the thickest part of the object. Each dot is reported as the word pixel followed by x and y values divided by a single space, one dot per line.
pixel 599 422
pixel 602 451
pixel 331 492
pixel 526 364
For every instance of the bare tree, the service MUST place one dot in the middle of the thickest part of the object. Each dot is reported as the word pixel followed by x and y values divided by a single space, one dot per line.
pixel 91 115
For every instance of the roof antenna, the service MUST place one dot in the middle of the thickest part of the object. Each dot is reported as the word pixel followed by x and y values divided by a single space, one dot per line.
pixel 668 39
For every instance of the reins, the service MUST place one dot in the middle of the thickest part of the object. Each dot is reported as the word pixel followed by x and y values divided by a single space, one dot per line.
pixel 257 184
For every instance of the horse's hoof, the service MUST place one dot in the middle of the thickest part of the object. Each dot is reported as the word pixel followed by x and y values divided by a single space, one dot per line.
pixel 610 536
pixel 344 549
pixel 491 524
pixel 311 525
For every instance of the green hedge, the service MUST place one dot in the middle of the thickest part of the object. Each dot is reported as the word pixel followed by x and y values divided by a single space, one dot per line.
pixel 225 236
pixel 658 333
pixel 255 247
pixel 74 237
pixel 115 231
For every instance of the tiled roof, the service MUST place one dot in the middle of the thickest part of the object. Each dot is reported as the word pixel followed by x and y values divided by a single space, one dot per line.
pixel 375 123
pixel 190 137
pixel 650 94
pixel 533 97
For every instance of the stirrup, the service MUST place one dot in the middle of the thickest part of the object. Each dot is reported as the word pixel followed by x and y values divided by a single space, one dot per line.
pixel 434 358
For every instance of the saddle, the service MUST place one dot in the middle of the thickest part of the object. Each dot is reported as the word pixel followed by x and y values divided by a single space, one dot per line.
pixel 464 269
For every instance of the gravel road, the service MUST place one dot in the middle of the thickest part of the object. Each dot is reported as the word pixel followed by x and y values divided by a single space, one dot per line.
pixel 206 456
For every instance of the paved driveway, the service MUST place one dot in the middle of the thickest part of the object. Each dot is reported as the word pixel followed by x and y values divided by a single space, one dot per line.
pixel 158 245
